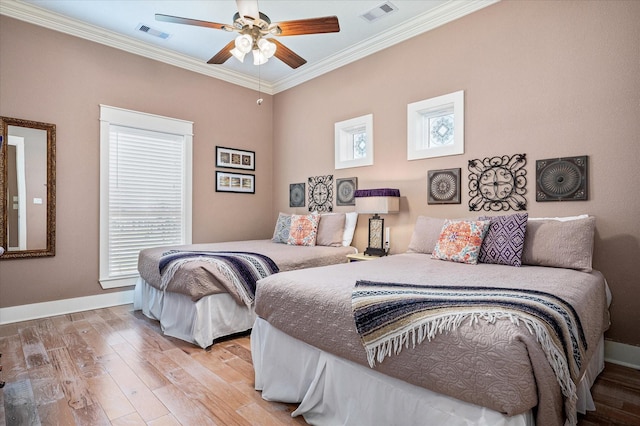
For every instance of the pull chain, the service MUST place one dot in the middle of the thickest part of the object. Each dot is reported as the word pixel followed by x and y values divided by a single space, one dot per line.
pixel 260 100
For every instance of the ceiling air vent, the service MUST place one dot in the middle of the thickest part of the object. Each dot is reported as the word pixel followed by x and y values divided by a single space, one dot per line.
pixel 379 11
pixel 156 33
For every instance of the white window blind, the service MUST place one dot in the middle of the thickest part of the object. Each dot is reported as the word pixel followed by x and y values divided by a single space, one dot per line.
pixel 145 201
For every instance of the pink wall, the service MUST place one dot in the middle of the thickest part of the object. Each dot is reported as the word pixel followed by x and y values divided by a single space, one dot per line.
pixel 548 79
pixel 55 78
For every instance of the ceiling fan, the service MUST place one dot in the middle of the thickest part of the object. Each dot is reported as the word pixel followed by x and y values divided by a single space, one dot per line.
pixel 255 34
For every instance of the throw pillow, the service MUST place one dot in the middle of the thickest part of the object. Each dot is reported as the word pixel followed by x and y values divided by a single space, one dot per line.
pixel 349 228
pixel 561 244
pixel 281 232
pixel 425 234
pixel 304 230
pixel 504 241
pixel 331 229
pixel 460 240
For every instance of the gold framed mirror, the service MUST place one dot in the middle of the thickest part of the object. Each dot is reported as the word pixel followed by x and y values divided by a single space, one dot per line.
pixel 27 188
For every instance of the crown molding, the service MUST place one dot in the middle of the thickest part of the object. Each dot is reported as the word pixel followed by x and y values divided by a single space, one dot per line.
pixel 54 21
pixel 434 18
pixel 429 20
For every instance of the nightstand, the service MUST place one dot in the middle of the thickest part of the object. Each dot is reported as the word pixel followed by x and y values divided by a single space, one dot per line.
pixel 358 257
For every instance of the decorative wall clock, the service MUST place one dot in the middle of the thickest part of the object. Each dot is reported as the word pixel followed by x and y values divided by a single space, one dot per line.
pixel 443 186
pixel 321 193
pixel 296 195
pixel 562 179
pixel 345 191
pixel 498 183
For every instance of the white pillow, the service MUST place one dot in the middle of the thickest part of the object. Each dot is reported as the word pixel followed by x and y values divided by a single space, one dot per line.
pixel 349 228
pixel 561 219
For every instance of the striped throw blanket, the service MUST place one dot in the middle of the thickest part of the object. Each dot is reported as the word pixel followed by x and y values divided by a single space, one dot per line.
pixel 391 316
pixel 239 271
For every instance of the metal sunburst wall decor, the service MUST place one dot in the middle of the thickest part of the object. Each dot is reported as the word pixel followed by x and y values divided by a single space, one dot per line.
pixel 498 183
pixel 562 179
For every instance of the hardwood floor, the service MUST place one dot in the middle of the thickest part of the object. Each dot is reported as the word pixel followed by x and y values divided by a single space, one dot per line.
pixel 114 367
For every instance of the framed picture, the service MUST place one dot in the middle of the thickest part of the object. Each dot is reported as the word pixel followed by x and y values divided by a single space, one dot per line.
pixel 235 158
pixel 435 127
pixel 296 195
pixel 321 193
pixel 345 190
pixel 562 179
pixel 235 182
pixel 443 186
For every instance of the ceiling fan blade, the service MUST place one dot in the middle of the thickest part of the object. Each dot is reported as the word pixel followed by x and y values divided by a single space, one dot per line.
pixel 248 8
pixel 224 54
pixel 287 55
pixel 326 24
pixel 188 21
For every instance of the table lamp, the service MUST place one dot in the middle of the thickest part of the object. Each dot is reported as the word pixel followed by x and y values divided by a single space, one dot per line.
pixel 377 202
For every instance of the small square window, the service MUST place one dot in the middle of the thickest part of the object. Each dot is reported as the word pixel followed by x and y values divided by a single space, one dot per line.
pixel 354 142
pixel 435 127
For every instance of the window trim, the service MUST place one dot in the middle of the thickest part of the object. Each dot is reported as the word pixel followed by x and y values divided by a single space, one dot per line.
pixel 118 116
pixel 344 131
pixel 417 111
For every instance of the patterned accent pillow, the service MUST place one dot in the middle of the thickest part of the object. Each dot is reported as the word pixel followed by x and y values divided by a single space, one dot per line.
pixel 460 240
pixel 504 241
pixel 304 230
pixel 283 225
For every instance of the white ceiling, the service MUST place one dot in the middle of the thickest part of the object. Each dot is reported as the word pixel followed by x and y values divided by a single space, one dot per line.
pixel 115 23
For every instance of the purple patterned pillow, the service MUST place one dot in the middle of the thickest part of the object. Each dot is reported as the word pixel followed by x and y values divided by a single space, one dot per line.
pixel 504 241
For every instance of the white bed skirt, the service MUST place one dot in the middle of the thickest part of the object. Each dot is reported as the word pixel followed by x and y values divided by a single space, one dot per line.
pixel 198 322
pixel 334 391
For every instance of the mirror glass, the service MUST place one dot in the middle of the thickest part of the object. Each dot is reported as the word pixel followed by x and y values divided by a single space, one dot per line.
pixel 27 188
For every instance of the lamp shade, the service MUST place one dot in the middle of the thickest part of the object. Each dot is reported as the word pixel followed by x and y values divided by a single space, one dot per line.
pixel 377 201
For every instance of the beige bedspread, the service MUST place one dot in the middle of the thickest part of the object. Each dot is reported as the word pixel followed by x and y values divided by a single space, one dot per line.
pixel 500 366
pixel 198 279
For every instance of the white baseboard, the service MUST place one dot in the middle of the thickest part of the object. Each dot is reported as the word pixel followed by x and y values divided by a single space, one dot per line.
pixel 66 306
pixel 622 354
pixel 614 352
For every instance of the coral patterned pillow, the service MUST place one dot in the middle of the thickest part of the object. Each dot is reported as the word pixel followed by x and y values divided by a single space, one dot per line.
pixel 460 240
pixel 304 230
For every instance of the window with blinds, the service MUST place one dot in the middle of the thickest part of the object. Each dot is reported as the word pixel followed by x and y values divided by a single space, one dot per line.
pixel 145 189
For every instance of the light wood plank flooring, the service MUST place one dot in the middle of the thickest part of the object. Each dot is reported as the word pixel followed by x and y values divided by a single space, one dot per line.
pixel 114 367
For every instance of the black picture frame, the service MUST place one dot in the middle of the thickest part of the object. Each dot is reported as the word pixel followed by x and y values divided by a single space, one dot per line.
pixel 296 194
pixel 345 191
pixel 235 182
pixel 562 179
pixel 232 158
pixel 443 186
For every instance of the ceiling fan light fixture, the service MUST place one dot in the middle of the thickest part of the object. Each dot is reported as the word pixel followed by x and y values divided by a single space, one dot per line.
pixel 244 43
pixel 259 58
pixel 238 54
pixel 267 48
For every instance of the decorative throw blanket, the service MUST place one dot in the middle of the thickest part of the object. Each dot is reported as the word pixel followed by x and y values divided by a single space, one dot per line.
pixel 239 270
pixel 391 316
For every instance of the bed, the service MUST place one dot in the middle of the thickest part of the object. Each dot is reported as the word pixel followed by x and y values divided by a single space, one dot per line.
pixel 192 298
pixel 488 369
